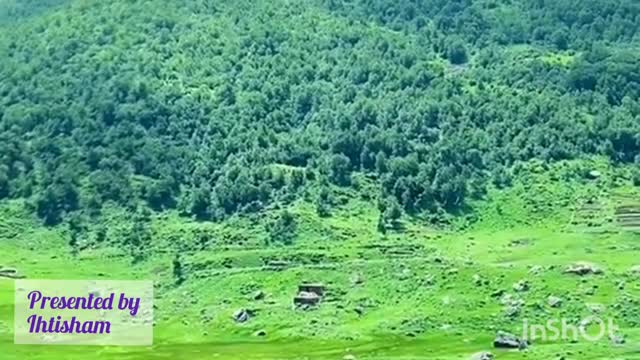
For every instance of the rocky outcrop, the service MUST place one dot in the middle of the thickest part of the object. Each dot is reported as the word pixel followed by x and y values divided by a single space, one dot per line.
pixel 242 315
pixel 505 340
pixel 582 269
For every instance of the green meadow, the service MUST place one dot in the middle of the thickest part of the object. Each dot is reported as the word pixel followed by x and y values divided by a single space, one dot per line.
pixel 416 293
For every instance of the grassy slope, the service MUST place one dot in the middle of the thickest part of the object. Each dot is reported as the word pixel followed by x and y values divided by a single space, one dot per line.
pixel 416 303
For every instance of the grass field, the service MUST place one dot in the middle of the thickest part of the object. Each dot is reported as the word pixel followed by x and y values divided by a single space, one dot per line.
pixel 419 293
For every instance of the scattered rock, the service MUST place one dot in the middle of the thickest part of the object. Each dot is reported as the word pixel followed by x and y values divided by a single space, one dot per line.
pixel 536 270
pixel 617 339
pixel 521 242
pixel 258 295
pixel 554 301
pixel 596 308
pixel 349 357
pixel 429 280
pixel 205 316
pixel 521 286
pixel 635 270
pixel 260 333
pixel 510 300
pixel 241 316
pixel 505 340
pixel 357 279
pixel 452 271
pixel 10 273
pixel 479 280
pixel 485 355
pixel 512 311
pixel 306 299
pixel 582 269
pixel 404 274
pixel 590 291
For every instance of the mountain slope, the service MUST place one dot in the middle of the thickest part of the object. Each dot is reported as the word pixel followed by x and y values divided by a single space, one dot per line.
pixel 214 108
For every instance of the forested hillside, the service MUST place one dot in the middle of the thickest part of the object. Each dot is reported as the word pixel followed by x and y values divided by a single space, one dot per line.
pixel 219 107
pixel 18 10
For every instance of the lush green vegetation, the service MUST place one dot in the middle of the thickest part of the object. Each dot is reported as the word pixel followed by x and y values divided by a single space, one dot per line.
pixel 414 294
pixel 393 149
pixel 217 108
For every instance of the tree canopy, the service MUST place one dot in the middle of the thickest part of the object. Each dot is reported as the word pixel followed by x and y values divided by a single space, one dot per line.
pixel 218 107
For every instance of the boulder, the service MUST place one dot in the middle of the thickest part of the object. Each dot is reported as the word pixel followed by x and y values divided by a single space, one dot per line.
pixel 582 269
pixel 596 308
pixel 554 301
pixel 10 273
pixel 505 340
pixel 429 280
pixel 617 339
pixel 512 311
pixel 260 333
pixel 521 286
pixel 241 316
pixel 307 299
pixel 258 295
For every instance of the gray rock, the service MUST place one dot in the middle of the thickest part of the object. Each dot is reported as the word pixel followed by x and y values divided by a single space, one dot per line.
pixel 241 316
pixel 485 355
pixel 512 311
pixel 554 301
pixel 617 339
pixel 536 270
pixel 357 279
pixel 583 268
pixel 258 295
pixel 505 340
pixel 429 280
pixel 10 273
pixel 521 286
pixel 596 308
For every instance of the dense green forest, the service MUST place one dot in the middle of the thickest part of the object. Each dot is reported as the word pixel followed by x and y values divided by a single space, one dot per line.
pixel 215 107
pixel 18 10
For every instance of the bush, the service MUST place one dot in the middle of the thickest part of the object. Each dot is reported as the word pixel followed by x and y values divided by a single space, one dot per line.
pixel 284 229
pixel 635 177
